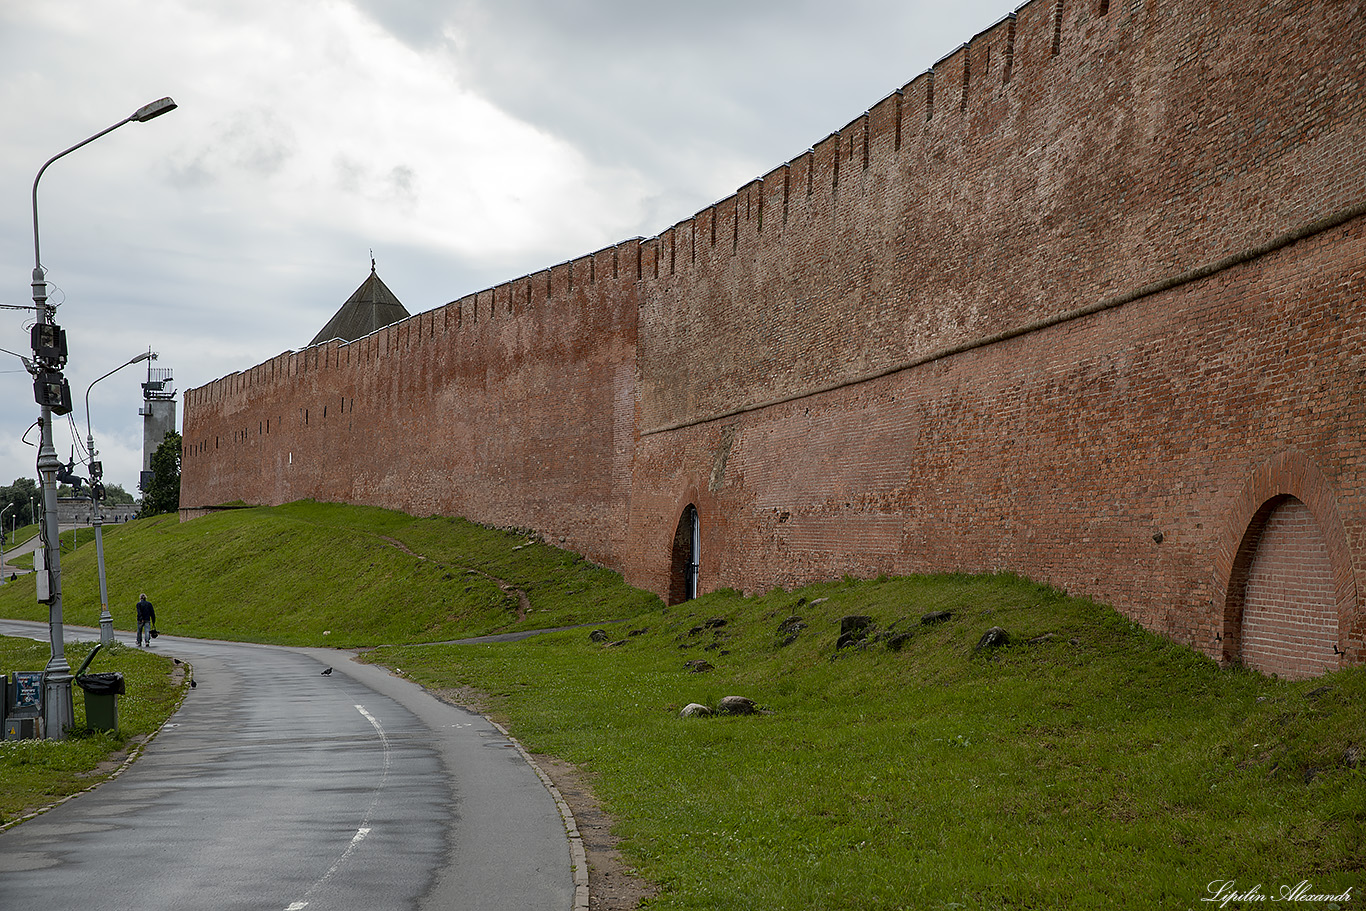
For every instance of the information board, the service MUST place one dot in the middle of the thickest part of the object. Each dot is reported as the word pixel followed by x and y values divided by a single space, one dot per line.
pixel 28 691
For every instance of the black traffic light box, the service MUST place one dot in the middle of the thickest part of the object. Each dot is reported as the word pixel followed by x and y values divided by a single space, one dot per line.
pixel 49 344
pixel 50 388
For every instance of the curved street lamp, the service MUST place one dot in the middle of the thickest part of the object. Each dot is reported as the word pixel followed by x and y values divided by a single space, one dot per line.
pixel 53 395
pixel 96 472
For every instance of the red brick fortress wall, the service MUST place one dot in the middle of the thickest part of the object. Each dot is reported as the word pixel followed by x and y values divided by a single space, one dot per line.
pixel 1084 302
pixel 514 407
pixel 1109 455
pixel 1045 309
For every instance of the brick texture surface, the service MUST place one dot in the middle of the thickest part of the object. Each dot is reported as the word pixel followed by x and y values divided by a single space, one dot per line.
pixel 1076 304
pixel 513 406
pixel 1290 623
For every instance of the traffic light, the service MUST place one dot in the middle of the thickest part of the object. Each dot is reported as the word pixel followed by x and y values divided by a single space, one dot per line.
pixel 49 344
pixel 49 352
pixel 51 389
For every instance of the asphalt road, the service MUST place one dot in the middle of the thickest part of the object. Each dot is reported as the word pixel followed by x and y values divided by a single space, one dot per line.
pixel 277 788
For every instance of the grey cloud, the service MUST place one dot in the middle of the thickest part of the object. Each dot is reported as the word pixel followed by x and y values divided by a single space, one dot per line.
pixel 417 23
pixel 349 173
pixel 189 172
pixel 256 142
pixel 668 88
pixel 403 181
pixel 399 183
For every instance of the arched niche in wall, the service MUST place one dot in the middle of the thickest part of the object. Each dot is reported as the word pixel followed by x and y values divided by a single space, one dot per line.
pixel 685 556
pixel 1284 587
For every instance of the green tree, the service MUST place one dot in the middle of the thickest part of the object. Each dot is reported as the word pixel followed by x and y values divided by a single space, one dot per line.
pixel 115 495
pixel 19 495
pixel 162 493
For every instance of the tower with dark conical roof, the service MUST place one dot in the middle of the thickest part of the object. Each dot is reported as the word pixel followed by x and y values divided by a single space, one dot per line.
pixel 372 307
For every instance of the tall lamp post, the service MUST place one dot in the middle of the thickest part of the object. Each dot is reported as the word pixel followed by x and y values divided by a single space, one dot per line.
pixel 97 494
pixel 52 393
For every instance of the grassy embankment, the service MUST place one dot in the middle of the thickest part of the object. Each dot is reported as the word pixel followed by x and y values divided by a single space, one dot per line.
pixel 1086 764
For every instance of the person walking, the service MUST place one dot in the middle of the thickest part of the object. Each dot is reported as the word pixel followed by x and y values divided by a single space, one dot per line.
pixel 147 620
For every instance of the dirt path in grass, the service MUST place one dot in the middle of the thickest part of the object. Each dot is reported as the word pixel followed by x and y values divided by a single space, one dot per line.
pixel 523 602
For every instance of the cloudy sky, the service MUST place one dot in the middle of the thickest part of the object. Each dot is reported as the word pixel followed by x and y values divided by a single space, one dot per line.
pixel 466 142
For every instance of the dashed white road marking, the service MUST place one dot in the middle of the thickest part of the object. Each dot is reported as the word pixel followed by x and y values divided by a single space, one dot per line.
pixel 365 827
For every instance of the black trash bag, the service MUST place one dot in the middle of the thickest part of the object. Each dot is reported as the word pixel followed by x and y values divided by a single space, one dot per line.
pixel 106 684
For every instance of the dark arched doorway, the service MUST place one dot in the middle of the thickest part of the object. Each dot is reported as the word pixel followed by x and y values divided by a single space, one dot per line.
pixel 685 557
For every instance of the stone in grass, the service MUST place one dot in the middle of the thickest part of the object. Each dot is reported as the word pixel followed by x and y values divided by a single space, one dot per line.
pixel 939 616
pixel 789 630
pixel 853 629
pixel 698 666
pixel 992 638
pixel 694 710
pixel 598 635
pixel 737 705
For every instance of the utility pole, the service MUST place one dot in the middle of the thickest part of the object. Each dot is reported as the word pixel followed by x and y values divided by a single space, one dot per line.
pixel 53 395
pixel 97 494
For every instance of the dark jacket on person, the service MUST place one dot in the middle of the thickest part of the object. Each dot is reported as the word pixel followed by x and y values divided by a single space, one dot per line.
pixel 146 611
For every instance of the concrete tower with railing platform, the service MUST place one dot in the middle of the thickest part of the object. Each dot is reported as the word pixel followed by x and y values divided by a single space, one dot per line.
pixel 158 416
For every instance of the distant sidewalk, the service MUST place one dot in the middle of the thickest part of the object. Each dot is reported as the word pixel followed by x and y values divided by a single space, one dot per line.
pixel 6 568
pixel 28 547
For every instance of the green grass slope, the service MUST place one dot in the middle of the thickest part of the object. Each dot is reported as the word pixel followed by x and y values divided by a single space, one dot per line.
pixel 1085 764
pixel 323 574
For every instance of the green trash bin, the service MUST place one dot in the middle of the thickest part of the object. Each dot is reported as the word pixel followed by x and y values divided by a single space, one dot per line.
pixel 102 692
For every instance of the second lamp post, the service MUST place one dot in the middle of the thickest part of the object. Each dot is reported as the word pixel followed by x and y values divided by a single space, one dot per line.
pixel 97 494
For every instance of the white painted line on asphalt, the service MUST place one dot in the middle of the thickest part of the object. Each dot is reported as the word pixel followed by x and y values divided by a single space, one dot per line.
pixel 379 729
pixel 365 827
